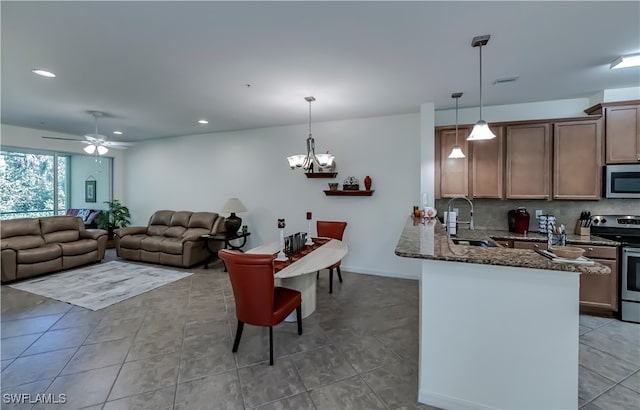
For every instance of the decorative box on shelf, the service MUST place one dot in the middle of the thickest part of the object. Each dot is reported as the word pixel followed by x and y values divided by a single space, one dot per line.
pixel 355 187
pixel 351 184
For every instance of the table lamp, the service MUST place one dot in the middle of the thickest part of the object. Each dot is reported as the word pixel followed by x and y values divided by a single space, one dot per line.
pixel 232 223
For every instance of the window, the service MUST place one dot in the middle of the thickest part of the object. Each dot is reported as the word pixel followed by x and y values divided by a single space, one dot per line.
pixel 33 183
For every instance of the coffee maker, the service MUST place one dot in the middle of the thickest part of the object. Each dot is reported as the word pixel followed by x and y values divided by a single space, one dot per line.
pixel 518 220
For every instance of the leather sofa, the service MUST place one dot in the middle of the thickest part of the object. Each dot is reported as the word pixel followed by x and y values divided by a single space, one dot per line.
pixel 33 246
pixel 170 238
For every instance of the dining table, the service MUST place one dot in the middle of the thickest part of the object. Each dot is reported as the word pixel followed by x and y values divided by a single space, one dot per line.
pixel 298 272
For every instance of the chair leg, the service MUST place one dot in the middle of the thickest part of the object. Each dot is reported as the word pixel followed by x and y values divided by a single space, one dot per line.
pixel 317 275
pixel 236 342
pixel 339 275
pixel 270 346
pixel 299 318
pixel 330 280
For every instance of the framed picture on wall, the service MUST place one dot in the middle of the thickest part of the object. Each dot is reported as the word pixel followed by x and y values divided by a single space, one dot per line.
pixel 89 191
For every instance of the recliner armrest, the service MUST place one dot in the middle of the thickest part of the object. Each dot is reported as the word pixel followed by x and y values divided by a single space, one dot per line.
pixel 92 233
pixel 131 230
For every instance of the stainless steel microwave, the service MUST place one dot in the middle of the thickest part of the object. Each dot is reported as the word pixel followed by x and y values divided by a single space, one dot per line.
pixel 622 181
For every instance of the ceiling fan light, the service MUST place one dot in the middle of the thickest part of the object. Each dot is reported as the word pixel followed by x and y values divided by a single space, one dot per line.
pixel 456 152
pixel 480 132
pixel 90 149
pixel 102 149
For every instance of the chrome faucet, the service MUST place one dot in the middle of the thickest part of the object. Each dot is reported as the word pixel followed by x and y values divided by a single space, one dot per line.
pixel 470 221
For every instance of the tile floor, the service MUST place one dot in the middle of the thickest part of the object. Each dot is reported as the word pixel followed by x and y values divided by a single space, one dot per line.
pixel 171 349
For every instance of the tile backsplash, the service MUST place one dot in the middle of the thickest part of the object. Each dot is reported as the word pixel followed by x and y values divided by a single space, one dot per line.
pixel 492 213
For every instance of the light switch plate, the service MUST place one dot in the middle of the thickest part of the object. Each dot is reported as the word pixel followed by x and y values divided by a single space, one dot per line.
pixel 538 213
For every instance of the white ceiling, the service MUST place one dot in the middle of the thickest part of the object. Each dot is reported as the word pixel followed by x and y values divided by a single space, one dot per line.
pixel 155 68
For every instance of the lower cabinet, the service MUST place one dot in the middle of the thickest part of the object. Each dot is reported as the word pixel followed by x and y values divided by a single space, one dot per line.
pixel 598 293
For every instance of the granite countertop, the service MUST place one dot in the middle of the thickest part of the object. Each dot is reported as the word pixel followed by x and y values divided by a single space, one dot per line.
pixel 430 241
pixel 481 234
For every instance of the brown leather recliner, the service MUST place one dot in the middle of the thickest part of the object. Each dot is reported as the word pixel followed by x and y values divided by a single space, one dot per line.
pixel 333 230
pixel 258 301
pixel 33 246
pixel 171 238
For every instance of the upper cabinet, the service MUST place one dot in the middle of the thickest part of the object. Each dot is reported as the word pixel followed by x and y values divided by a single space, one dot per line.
pixel 577 159
pixel 453 174
pixel 528 161
pixel 622 131
pixel 487 166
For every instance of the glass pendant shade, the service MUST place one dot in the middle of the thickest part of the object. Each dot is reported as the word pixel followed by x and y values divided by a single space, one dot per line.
pixel 481 131
pixel 102 149
pixel 90 149
pixel 296 161
pixel 456 152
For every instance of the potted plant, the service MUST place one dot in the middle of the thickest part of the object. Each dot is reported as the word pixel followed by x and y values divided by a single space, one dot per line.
pixel 117 216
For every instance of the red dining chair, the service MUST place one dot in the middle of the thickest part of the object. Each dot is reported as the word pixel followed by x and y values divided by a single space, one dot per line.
pixel 334 230
pixel 258 301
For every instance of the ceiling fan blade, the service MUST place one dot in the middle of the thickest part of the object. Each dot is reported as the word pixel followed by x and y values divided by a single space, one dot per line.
pixel 116 144
pixel 61 138
pixel 93 139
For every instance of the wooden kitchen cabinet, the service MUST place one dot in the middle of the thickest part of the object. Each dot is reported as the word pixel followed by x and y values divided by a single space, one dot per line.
pixel 621 130
pixel 487 166
pixel 598 293
pixel 577 159
pixel 528 161
pixel 453 173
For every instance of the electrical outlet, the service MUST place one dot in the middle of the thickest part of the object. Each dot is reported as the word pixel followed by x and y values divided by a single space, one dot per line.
pixel 538 213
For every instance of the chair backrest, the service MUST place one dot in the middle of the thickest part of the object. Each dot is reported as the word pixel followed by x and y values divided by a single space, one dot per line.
pixel 331 229
pixel 252 280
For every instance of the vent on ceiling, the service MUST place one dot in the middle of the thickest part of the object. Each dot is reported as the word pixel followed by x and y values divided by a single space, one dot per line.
pixel 506 79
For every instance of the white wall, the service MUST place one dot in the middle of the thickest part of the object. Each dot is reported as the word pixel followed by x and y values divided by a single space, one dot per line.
pixel 86 168
pixel 201 172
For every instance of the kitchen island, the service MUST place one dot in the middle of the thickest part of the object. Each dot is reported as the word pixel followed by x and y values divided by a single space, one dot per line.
pixel 498 326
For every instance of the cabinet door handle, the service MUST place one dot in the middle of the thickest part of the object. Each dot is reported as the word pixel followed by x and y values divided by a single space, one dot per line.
pixel 536 246
pixel 590 249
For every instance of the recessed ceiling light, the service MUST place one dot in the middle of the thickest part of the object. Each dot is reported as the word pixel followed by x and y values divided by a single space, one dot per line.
pixel 626 61
pixel 43 73
pixel 203 122
pixel 117 132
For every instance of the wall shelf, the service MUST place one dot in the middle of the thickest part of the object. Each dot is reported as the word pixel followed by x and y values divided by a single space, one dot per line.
pixel 321 174
pixel 350 193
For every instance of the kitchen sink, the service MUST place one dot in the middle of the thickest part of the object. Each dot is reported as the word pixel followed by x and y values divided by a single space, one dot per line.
pixel 472 242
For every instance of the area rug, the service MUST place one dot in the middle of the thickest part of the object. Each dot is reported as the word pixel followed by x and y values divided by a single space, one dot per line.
pixel 101 285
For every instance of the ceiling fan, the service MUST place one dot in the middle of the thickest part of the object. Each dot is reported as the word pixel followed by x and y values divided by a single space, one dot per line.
pixel 96 143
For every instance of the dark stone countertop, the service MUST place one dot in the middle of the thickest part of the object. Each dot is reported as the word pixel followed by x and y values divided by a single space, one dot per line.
pixel 430 241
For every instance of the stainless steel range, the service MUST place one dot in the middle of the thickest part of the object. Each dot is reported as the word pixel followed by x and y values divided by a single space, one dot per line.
pixel 626 230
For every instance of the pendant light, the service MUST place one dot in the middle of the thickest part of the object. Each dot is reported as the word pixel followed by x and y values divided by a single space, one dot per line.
pixel 456 152
pixel 307 161
pixel 481 130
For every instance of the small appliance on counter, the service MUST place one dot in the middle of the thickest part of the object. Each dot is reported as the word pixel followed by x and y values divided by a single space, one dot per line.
pixel 518 220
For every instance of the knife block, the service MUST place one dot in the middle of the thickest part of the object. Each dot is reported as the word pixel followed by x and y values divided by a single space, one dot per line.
pixel 582 230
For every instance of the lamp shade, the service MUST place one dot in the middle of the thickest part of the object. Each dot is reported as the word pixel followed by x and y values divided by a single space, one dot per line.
pixel 90 149
pixel 481 131
pixel 456 152
pixel 234 205
pixel 102 149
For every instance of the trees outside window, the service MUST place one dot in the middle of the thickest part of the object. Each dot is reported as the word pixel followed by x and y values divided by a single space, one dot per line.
pixel 32 184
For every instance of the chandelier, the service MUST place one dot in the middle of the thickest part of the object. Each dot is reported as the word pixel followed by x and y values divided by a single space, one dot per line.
pixel 307 161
